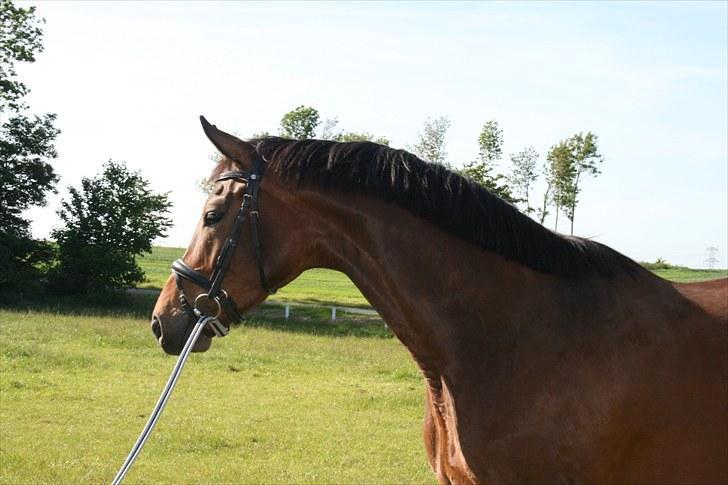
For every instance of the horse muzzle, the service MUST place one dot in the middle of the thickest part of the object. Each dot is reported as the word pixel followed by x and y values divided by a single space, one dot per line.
pixel 172 342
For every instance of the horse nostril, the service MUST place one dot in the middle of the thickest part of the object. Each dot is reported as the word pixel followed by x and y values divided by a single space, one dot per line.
pixel 156 327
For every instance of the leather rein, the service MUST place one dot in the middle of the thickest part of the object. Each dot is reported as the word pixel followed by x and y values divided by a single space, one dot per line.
pixel 215 294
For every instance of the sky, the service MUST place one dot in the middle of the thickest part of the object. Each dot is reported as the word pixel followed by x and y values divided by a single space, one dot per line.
pixel 129 80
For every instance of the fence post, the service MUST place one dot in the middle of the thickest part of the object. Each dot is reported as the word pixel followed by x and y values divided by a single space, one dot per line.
pixel 333 313
pixel 287 311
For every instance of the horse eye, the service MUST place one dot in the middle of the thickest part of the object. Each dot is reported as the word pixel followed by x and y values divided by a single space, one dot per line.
pixel 212 217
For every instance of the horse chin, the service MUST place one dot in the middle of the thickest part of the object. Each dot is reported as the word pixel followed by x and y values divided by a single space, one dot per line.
pixel 175 348
pixel 203 343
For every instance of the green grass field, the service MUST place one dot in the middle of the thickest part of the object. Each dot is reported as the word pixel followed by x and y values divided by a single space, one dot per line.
pixel 686 275
pixel 297 402
pixel 321 286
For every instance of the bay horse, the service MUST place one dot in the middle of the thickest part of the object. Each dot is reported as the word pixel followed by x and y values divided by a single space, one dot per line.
pixel 545 358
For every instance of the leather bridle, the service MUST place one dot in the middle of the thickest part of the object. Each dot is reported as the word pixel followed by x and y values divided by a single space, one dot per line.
pixel 213 285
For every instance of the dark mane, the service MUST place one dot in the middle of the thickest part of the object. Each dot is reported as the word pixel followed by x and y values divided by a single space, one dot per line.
pixel 436 194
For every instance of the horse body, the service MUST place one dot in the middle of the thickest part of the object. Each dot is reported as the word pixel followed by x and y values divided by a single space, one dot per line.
pixel 533 373
pixel 531 377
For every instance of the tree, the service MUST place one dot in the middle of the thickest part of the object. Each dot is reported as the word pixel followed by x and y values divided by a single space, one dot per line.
pixel 300 123
pixel 431 143
pixel 482 170
pixel 329 132
pixel 20 39
pixel 571 160
pixel 361 136
pixel 25 176
pixel 561 167
pixel 490 143
pixel 26 147
pixel 523 174
pixel 108 221
pixel 548 197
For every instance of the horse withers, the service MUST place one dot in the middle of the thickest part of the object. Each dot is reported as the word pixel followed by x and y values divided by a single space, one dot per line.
pixel 545 358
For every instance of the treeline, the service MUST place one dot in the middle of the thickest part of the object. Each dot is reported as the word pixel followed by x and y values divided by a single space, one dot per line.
pixel 566 165
pixel 106 221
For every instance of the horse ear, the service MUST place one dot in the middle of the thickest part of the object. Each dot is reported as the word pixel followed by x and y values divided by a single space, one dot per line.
pixel 232 147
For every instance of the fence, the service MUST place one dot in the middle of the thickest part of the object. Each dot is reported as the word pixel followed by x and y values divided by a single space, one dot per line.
pixel 334 309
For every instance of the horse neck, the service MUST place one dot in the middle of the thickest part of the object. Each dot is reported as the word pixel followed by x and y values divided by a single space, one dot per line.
pixel 437 292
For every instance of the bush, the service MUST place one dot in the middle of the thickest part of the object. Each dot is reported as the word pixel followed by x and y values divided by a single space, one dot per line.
pixel 109 221
pixel 658 264
pixel 23 262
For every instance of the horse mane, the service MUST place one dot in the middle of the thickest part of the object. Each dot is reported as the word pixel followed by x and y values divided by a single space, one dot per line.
pixel 436 194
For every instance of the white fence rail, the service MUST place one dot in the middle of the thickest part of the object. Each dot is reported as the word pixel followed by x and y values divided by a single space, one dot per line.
pixel 335 310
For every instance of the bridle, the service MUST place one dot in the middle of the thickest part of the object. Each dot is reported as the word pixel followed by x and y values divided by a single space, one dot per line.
pixel 213 285
pixel 215 294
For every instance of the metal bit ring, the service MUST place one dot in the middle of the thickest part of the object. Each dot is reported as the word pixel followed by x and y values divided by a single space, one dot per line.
pixel 215 299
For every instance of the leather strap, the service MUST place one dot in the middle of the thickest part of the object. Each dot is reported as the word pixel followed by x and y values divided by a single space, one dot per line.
pixel 180 269
pixel 213 285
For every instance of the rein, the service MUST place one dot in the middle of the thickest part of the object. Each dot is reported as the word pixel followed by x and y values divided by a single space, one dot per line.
pixel 196 331
pixel 215 294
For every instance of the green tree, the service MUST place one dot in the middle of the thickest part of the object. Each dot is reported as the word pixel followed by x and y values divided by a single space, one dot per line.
pixel 26 148
pixel 570 161
pixel 490 143
pixel 431 143
pixel 329 132
pixel 548 196
pixel 107 222
pixel 300 123
pixel 361 136
pixel 482 170
pixel 562 175
pixel 20 39
pixel 523 174
pixel 25 175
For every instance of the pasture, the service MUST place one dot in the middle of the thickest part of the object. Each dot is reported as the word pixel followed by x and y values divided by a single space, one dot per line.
pixel 688 275
pixel 273 402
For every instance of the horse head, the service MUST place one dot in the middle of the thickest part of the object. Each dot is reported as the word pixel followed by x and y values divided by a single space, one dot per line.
pixel 248 242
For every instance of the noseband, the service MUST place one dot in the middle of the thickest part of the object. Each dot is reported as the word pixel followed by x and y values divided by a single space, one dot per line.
pixel 213 285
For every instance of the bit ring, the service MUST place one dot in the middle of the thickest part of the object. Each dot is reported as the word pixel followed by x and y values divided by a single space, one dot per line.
pixel 215 299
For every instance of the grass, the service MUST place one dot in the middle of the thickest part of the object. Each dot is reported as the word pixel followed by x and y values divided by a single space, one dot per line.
pixel 686 275
pixel 303 401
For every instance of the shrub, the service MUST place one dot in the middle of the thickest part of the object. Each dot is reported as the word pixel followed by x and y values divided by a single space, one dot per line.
pixel 108 221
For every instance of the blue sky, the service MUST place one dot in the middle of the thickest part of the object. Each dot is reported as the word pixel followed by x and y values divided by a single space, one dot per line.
pixel 128 81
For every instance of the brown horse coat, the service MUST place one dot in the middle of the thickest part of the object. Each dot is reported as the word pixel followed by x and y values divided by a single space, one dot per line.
pixel 546 359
